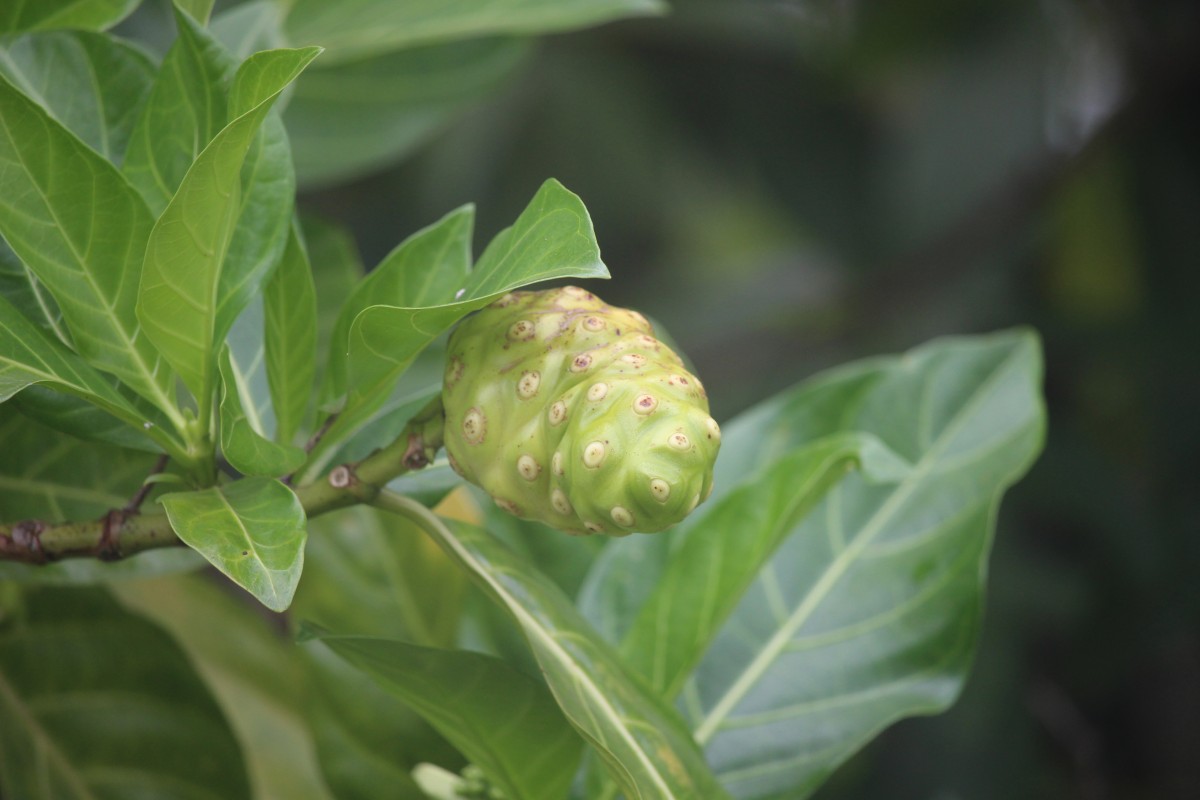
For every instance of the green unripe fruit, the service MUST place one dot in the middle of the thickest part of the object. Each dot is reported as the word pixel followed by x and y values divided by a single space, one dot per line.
pixel 568 411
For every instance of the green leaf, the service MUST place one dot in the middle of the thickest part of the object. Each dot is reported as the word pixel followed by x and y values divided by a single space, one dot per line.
pixel 642 742
pixel 501 719
pixel 244 442
pixel 178 302
pixel 86 254
pixel 28 15
pixel 188 107
pixel 337 270
pixel 552 238
pixel 290 338
pixel 426 269
pixel 29 356
pixel 79 418
pixel 705 575
pixel 253 530
pixel 356 28
pixel 96 702
pixel 22 288
pixel 248 358
pixel 361 115
pixel 257 678
pixel 185 110
pixel 870 611
pixel 91 83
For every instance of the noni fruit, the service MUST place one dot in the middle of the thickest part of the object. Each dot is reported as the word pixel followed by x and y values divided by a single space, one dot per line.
pixel 568 411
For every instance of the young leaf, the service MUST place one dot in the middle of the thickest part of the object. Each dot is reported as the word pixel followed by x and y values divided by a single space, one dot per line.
pixel 185 110
pixel 252 530
pixel 178 299
pixel 501 719
pixel 29 15
pixel 75 671
pixel 337 270
pixel 870 611
pixel 86 254
pixel 290 338
pixel 28 356
pixel 426 269
pixel 552 238
pixel 91 83
pixel 356 28
pixel 244 441
pixel 641 741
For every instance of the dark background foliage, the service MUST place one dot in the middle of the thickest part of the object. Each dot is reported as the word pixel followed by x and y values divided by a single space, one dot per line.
pixel 790 184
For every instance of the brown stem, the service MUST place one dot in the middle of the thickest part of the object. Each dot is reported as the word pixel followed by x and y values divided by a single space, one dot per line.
pixel 126 531
pixel 139 497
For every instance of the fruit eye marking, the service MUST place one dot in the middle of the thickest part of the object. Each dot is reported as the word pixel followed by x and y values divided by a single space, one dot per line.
pixel 593 454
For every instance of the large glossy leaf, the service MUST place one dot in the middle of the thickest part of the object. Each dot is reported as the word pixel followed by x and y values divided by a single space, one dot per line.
pixel 87 254
pixel 290 338
pixel 96 702
pixel 244 440
pixel 552 238
pixel 642 742
pixel 253 530
pixel 875 600
pixel 504 721
pixel 356 28
pixel 426 269
pixel 26 15
pixel 92 83
pixel 256 676
pixel 179 298
pixel 709 569
pixel 50 476
pixel 29 356
pixel 355 117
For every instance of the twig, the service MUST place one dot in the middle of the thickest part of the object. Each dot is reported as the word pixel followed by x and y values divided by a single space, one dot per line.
pixel 143 491
pixel 126 531
pixel 315 439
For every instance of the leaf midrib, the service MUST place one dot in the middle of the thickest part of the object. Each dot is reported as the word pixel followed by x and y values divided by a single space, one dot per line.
pixel 816 595
pixel 580 678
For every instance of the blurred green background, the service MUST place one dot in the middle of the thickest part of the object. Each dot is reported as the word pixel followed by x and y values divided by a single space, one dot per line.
pixel 790 184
